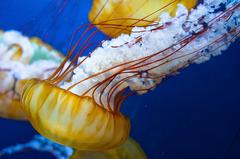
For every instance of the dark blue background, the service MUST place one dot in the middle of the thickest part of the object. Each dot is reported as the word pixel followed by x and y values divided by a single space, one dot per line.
pixel 195 115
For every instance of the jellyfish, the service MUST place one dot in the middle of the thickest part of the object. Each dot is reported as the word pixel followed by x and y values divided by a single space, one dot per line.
pixel 22 58
pixel 128 150
pixel 85 111
pixel 119 14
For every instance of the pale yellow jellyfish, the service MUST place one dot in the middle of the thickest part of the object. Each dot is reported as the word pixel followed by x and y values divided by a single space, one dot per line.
pixel 22 58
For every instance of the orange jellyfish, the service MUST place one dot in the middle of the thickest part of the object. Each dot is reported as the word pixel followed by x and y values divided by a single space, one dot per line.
pixel 84 112
pixel 20 59
pixel 128 150
pixel 122 15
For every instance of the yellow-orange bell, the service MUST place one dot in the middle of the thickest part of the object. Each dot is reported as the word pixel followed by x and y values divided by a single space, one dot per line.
pixel 129 150
pixel 112 16
pixel 72 120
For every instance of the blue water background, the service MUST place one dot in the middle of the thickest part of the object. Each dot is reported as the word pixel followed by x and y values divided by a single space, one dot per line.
pixel 195 115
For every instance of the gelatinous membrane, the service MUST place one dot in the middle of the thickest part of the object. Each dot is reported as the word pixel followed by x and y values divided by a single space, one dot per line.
pixel 119 16
pixel 129 150
pixel 19 58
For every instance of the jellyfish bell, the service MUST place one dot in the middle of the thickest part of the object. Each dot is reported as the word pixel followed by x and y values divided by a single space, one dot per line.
pixel 122 15
pixel 21 58
pixel 130 149
pixel 70 119
pixel 84 112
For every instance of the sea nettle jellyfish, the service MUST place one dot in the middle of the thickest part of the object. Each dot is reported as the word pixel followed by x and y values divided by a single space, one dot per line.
pixel 117 14
pixel 22 58
pixel 84 113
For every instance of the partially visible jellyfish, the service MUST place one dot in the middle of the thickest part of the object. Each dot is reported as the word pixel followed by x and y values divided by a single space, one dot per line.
pixel 128 150
pixel 122 15
pixel 22 58
pixel 84 113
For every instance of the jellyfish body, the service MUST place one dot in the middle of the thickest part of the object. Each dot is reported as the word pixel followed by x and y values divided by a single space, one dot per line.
pixel 130 149
pixel 117 17
pixel 84 112
pixel 21 59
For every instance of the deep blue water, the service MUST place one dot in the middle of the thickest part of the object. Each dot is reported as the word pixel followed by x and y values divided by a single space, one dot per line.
pixel 194 115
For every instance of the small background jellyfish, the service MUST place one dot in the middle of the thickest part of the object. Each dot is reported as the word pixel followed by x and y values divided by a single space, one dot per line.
pixel 194 115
